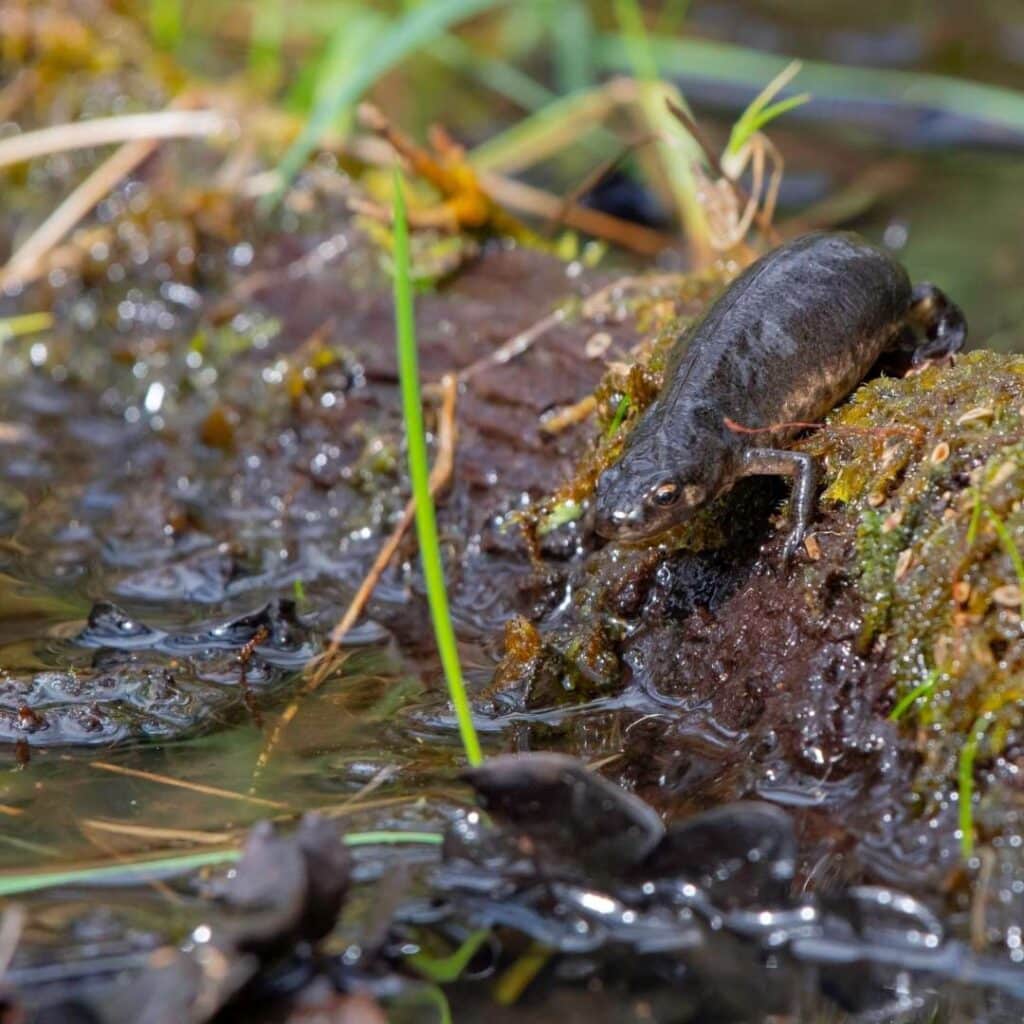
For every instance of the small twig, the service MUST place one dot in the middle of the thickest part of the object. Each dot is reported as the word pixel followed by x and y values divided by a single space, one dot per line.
pixel 440 218
pixel 523 198
pixel 12 924
pixel 26 264
pixel 386 774
pixel 515 346
pixel 244 657
pixel 439 477
pixel 323 666
pixel 979 900
pixel 104 131
pixel 195 787
pixel 185 835
pixel 567 416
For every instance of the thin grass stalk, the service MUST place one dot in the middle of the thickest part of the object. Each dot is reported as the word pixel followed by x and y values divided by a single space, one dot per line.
pixel 132 872
pixel 415 30
pixel 965 783
pixel 419 472
pixel 911 698
pixel 678 151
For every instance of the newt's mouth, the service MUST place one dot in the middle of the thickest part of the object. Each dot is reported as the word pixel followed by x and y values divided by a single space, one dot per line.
pixel 621 525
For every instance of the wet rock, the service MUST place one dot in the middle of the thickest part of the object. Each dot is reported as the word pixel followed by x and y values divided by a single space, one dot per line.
pixel 739 854
pixel 568 809
pixel 283 897
pixel 711 907
pixel 111 626
pixel 285 888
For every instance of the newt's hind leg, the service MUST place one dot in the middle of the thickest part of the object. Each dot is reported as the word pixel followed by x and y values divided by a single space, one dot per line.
pixel 803 469
pixel 940 320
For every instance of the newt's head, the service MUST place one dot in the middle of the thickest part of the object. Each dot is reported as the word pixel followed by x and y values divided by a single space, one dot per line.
pixel 651 488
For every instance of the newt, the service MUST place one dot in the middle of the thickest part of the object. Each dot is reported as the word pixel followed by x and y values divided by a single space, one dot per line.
pixel 787 340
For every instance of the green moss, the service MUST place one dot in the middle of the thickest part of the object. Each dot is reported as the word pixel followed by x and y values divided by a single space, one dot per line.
pixel 939 516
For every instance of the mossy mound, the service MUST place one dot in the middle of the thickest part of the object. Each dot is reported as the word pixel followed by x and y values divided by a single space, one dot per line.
pixel 931 467
pixel 907 607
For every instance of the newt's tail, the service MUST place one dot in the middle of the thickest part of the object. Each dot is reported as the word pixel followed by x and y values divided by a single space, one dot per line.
pixel 940 321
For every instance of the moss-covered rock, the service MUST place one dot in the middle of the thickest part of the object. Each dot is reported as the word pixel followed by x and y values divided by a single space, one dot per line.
pixel 930 469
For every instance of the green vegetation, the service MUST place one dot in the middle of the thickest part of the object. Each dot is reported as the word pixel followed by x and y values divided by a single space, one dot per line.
pixel 932 474
pixel 362 49
pixel 724 62
pixel 911 698
pixel 134 872
pixel 445 969
pixel 761 111
pixel 419 473
pixel 166 22
pixel 965 783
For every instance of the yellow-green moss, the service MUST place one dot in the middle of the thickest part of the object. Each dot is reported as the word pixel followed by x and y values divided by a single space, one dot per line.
pixel 939 519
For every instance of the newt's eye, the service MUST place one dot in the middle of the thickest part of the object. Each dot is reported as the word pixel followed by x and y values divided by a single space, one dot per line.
pixel 665 494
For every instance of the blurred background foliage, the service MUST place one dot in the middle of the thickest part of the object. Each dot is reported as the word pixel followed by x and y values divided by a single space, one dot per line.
pixel 912 134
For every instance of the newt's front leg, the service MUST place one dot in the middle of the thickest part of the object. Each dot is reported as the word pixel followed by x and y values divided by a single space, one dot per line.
pixel 804 471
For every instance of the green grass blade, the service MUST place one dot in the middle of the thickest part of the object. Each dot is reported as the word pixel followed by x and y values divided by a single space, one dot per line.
pixel 914 695
pixel 635 40
pixel 444 970
pixel 572 32
pixel 415 29
pixel 678 151
pixel 965 787
pixel 392 838
pixel 419 472
pixel 620 414
pixel 126 874
pixel 166 22
pixel 1012 551
pixel 746 126
pixel 135 872
pixel 318 81
pixel 27 323
pixel 723 62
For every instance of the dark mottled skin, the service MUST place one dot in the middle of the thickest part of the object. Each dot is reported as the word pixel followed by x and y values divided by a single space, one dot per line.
pixel 790 338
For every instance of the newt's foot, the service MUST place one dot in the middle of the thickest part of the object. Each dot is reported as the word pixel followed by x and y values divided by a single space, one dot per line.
pixel 794 543
pixel 803 470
